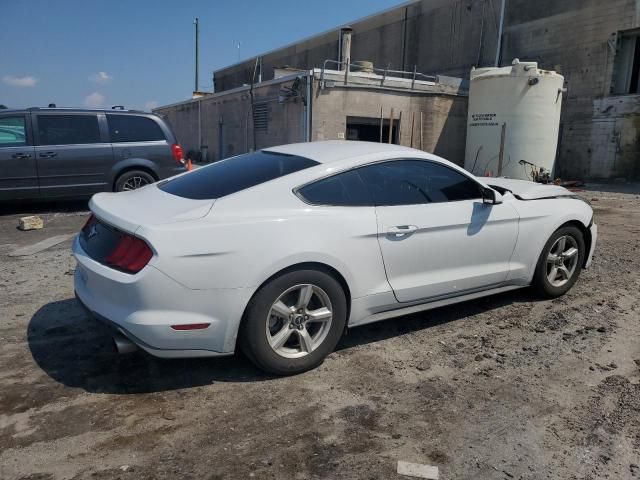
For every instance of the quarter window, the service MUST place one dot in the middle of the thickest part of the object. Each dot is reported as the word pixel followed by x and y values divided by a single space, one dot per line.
pixel 129 128
pixel 411 182
pixel 68 129
pixel 234 174
pixel 343 189
pixel 13 132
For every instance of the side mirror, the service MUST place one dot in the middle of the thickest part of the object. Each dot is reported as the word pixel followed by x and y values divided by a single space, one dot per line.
pixel 491 197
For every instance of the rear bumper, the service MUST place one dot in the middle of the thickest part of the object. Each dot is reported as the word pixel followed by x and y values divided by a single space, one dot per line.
pixel 145 305
pixel 594 237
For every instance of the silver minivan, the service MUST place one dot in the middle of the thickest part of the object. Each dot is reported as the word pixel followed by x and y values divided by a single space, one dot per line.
pixel 60 152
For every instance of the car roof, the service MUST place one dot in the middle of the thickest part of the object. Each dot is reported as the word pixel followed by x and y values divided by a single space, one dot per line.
pixel 330 151
pixel 73 110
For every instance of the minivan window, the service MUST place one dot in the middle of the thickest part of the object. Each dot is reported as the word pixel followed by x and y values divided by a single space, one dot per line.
pixel 234 174
pixel 130 128
pixel 68 129
pixel 412 182
pixel 13 132
pixel 343 189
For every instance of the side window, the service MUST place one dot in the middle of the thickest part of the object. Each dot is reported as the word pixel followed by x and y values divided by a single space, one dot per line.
pixel 13 132
pixel 413 182
pixel 129 128
pixel 343 189
pixel 68 129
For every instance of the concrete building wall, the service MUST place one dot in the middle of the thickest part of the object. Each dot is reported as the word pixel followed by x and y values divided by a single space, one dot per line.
pixel 226 121
pixel 599 138
pixel 437 36
pixel 577 38
pixel 444 117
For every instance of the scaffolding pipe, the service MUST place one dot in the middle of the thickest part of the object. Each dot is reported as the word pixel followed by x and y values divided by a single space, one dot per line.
pixel 500 28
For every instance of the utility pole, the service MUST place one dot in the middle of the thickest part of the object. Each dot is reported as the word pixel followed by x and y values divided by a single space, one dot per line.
pixel 197 24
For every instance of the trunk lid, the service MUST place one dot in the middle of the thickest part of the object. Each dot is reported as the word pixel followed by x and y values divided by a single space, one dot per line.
pixel 146 206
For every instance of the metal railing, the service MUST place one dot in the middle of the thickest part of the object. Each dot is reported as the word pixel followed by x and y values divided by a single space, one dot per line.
pixel 384 72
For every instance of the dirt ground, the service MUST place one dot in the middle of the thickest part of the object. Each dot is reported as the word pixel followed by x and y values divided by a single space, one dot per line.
pixel 508 387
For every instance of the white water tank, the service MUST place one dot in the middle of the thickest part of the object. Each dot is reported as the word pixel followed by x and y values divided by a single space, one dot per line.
pixel 523 100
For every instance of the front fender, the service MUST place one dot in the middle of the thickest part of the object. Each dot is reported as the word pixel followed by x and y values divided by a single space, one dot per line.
pixel 538 220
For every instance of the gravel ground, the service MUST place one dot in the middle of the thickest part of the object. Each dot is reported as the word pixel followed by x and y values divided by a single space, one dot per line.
pixel 508 387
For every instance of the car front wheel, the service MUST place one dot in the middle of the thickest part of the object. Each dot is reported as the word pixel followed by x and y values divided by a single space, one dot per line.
pixel 294 321
pixel 560 263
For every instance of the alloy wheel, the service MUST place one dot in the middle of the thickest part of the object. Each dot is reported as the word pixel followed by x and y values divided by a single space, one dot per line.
pixel 134 183
pixel 299 321
pixel 562 260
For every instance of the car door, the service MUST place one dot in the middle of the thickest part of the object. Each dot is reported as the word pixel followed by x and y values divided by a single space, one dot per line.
pixel 436 235
pixel 73 153
pixel 18 171
pixel 140 139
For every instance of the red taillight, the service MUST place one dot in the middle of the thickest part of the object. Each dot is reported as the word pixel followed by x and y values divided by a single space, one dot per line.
pixel 178 155
pixel 130 255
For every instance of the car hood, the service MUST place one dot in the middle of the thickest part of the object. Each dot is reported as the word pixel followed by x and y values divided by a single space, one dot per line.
pixel 526 190
pixel 146 206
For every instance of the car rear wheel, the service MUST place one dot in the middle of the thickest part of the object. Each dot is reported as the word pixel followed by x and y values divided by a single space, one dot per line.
pixel 294 322
pixel 132 180
pixel 560 263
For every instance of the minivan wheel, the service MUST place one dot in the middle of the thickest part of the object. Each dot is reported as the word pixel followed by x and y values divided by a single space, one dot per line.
pixel 294 321
pixel 560 262
pixel 132 180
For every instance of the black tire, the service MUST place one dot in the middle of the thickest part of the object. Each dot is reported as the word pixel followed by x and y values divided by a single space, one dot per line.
pixel 541 281
pixel 253 339
pixel 130 176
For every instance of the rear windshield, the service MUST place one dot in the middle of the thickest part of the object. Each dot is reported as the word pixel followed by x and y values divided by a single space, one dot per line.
pixel 235 174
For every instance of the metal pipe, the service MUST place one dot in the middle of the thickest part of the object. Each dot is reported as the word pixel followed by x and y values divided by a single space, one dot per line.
pixel 123 344
pixel 196 22
pixel 413 124
pixel 421 136
pixel 390 125
pixel 501 154
pixel 308 107
pixel 345 50
pixel 381 124
pixel 500 29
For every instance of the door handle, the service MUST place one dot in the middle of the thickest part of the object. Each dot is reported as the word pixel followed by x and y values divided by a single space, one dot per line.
pixel 402 230
pixel 48 155
pixel 21 156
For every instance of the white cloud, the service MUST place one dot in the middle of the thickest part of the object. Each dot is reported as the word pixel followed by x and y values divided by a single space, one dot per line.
pixel 95 100
pixel 151 104
pixel 101 78
pixel 27 81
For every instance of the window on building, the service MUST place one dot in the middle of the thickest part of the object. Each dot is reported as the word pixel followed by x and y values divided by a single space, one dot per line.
pixel 12 131
pixel 367 129
pixel 130 128
pixel 68 129
pixel 626 78
pixel 261 117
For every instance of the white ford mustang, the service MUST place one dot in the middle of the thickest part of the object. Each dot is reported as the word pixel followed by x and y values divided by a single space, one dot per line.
pixel 279 250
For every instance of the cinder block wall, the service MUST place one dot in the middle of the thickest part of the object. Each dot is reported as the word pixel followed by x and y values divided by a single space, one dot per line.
pixel 443 126
pixel 227 122
pixel 598 140
pixel 599 136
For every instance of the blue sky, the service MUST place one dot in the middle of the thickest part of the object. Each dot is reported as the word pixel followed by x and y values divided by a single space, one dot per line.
pixel 140 53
